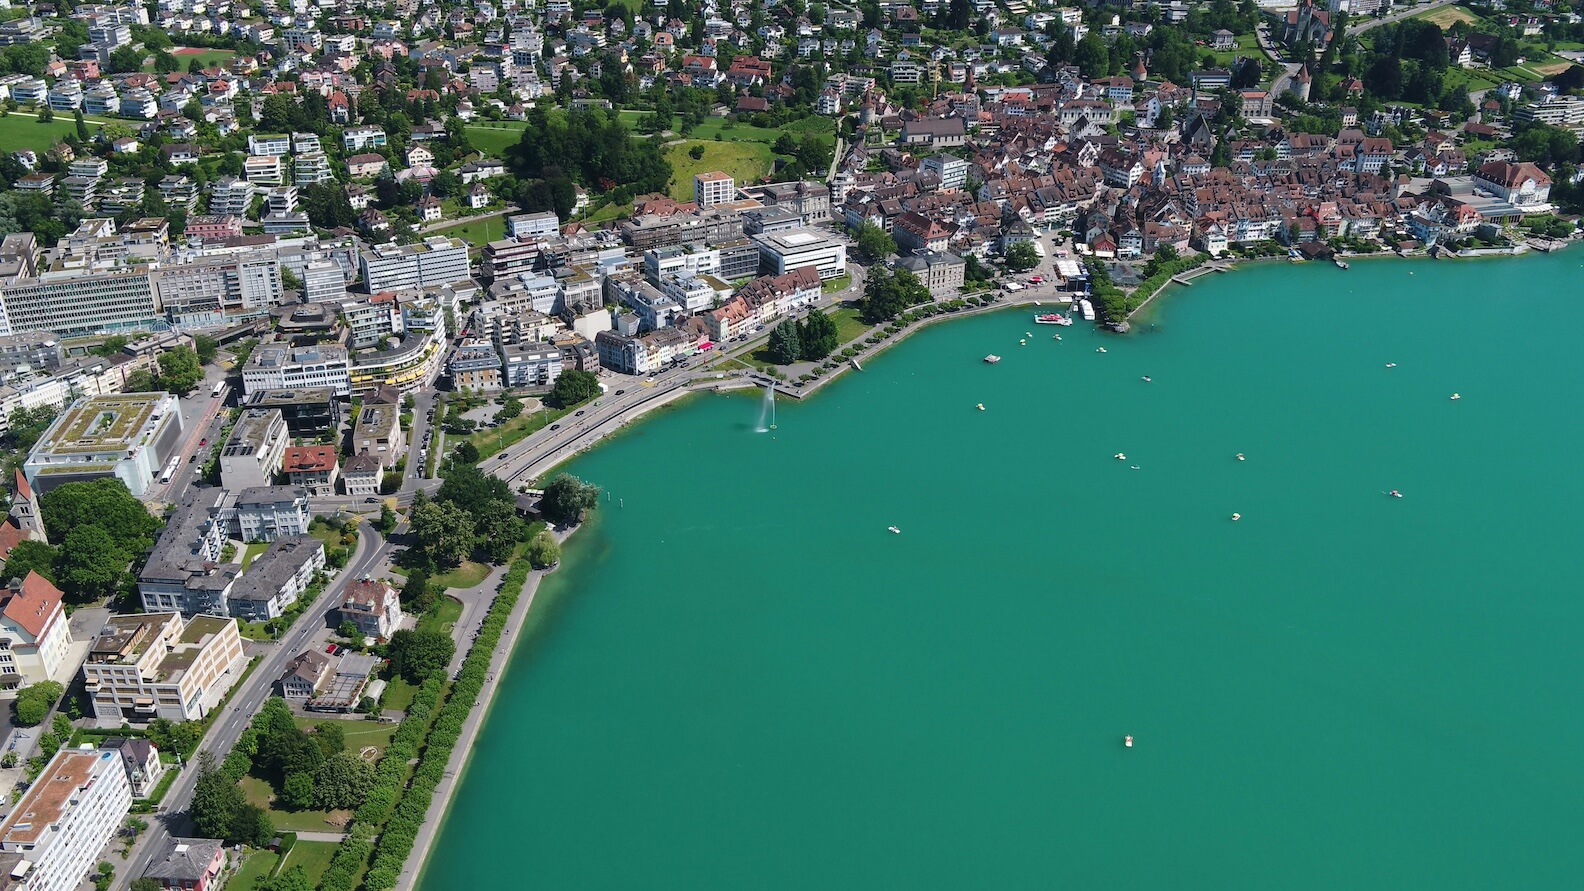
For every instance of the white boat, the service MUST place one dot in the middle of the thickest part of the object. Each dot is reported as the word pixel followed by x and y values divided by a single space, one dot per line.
pixel 1119 456
pixel 1236 517
pixel 1240 456
pixel 1088 310
pixel 1456 396
pixel 894 530
pixel 1127 741
pixel 992 359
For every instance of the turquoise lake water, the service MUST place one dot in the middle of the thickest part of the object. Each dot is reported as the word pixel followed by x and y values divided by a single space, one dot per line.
pixel 740 679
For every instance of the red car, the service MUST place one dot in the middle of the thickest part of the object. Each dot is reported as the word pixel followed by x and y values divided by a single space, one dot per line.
pixel 203 442
pixel 1037 279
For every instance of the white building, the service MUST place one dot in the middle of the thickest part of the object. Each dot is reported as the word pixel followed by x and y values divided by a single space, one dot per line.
pixel 144 666
pixel 396 267
pixel 357 139
pixel 34 633
pixel 277 366
pixel 252 455
pixel 782 252
pixel 265 513
pixel 129 436
pixel 714 187
pixel 69 814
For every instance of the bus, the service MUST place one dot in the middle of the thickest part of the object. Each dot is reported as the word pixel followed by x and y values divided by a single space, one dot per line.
pixel 219 388
pixel 170 470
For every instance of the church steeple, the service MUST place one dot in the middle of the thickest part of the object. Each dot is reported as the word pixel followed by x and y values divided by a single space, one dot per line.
pixel 25 512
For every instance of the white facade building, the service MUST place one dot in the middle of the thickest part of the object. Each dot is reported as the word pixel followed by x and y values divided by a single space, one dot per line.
pixel 66 818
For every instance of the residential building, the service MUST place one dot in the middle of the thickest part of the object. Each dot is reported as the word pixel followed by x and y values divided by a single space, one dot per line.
pixel 532 364
pixel 951 171
pixel 532 226
pixel 475 365
pixel 310 168
pixel 141 761
pixel 129 436
pixel 378 432
pixel 276 579
pixel 144 666
pixel 65 818
pixel 278 366
pixel 269 144
pixel 252 455
pixel 309 412
pixel 360 475
pixel 34 635
pixel 304 675
pixel 184 571
pixel 394 267
pixel 187 864
pixel 265 513
pixel 312 467
pixel 357 139
pixel 712 188
pixel 372 319
pixel 940 271
pixel 782 252
pixel 410 366
pixel 373 606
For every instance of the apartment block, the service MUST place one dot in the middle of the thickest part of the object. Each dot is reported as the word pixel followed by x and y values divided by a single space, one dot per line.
pixel 66 817
pixel 154 665
pixel 252 455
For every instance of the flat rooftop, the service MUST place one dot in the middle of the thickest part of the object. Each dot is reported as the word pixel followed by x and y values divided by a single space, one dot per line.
pixel 251 433
pixel 46 802
pixel 117 423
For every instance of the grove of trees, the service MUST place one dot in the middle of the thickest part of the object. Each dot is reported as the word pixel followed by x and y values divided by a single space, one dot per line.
pixel 96 529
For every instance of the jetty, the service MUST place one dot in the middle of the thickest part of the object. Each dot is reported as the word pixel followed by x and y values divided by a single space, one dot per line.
pixel 1186 277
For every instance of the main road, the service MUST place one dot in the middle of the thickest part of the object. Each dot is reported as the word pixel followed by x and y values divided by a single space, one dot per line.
pixel 246 699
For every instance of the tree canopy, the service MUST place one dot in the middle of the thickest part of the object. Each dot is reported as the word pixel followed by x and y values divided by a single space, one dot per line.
pixel 888 293
pixel 1022 256
pixel 567 498
pixel 417 654
pixel 574 386
pixel 874 243
pixel 817 336
pixel 595 147
pixel 784 347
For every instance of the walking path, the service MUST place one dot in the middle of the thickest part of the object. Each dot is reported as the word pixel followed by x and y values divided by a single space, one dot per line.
pixel 470 729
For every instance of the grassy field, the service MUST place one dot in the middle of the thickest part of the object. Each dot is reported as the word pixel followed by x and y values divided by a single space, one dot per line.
pixel 252 552
pixel 747 162
pixel 259 865
pixel 490 442
pixel 477 233
pixel 258 792
pixel 205 57
pixel 495 137
pixel 312 856
pixel 22 131
pixel 848 325
pixel 1550 69
pixel 358 733
pixel 398 695
pixel 442 618
pixel 465 576
pixel 1447 16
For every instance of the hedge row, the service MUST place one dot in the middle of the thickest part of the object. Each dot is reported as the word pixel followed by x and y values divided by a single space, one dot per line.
pixel 397 838
pixel 389 776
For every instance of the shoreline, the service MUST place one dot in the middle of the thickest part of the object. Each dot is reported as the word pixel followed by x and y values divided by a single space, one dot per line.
pixel 462 752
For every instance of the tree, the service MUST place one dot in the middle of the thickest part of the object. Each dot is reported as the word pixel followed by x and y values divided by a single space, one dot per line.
pixel 387 520
pixel 34 702
pixel 82 125
pixel 330 737
pixel 1092 56
pixel 297 792
pixel 472 490
pixel 415 655
pixel 874 243
pixel 498 530
pixel 147 884
pixel 343 781
pixel 292 879
pixel 31 556
pixel 567 498
pixel 180 372
pixel 444 531
pixel 91 564
pixel 543 550
pixel 784 347
pixel 417 594
pixel 1022 256
pixel 250 825
pixel 165 63
pixel 216 799
pixel 888 293
pixel 466 452
pixel 696 153
pixel 574 386
pixel 45 114
pixel 205 347
pixel 349 630
pixel 817 336
pixel 141 381
pixel 126 59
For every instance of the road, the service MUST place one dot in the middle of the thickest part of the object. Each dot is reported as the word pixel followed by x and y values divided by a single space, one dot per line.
pixel 245 702
pixel 202 419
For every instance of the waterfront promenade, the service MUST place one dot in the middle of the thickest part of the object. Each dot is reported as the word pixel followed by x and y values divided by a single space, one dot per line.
pixel 447 786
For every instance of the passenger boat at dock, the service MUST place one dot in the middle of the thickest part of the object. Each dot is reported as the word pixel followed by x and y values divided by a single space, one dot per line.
pixel 1087 309
pixel 1052 318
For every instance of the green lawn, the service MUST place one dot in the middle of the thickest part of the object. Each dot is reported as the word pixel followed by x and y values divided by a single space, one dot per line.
pixel 442 618
pixel 611 211
pixel 747 162
pixel 312 856
pixel 477 233
pixel 490 442
pixel 23 131
pixel 205 57
pixel 848 325
pixel 495 137
pixel 398 695
pixel 252 552
pixel 465 576
pixel 259 865
pixel 359 733
pixel 258 792
pixel 836 284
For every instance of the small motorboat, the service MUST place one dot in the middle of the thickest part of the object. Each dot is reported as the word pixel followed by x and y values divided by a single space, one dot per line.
pixel 1146 378
pixel 1391 364
pixel 1127 741
pixel 894 530
pixel 1394 493
pixel 1055 337
pixel 1236 517
pixel 1099 349
pixel 1456 397
pixel 1022 342
pixel 1135 467
pixel 1120 457
pixel 992 359
pixel 1240 456
pixel 981 406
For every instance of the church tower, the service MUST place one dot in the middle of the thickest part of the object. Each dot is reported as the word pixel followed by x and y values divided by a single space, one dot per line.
pixel 25 511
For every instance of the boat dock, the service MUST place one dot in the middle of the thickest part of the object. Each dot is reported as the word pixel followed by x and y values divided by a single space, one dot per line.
pixel 1186 278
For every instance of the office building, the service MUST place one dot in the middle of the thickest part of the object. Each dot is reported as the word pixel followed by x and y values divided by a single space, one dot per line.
pixel 129 436
pixel 252 454
pixel 70 303
pixel 309 413
pixel 782 252
pixel 378 433
pixel 433 262
pixel 713 188
pixel 144 666
pixel 277 366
